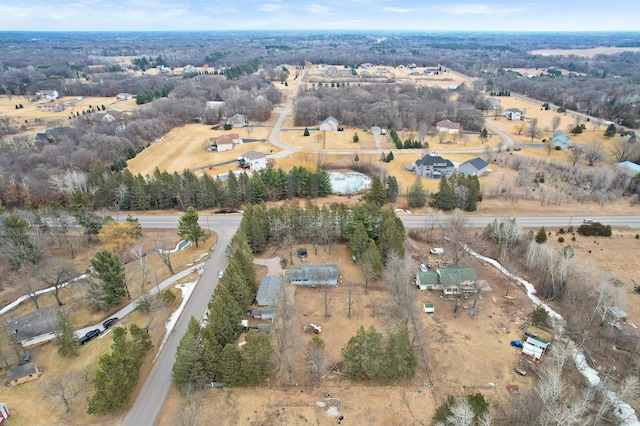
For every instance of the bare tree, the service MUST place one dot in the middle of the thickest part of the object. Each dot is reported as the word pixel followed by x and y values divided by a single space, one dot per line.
pixel 575 153
pixel 55 273
pixel 555 123
pixel 188 413
pixel 24 278
pixel 141 256
pixel 594 151
pixel 64 386
pixel 164 252
pixel 284 336
pixel 352 296
pixel 315 360
pixel 457 234
pixel 520 127
pixel 622 150
pixel 433 221
pixel 534 131
pixel 289 242
pixel 326 299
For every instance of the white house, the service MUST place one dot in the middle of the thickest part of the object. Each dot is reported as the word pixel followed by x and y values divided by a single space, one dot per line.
pixel 448 126
pixel 238 120
pixel 513 114
pixel 224 142
pixel 253 160
pixel 50 95
pixel 329 124
pixel 214 104
pixel 124 96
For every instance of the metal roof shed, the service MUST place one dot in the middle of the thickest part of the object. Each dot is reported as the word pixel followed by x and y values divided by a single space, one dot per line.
pixel 268 291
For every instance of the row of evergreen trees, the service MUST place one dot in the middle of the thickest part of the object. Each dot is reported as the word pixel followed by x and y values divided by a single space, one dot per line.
pixel 163 190
pixel 208 352
pixel 408 143
pixel 325 225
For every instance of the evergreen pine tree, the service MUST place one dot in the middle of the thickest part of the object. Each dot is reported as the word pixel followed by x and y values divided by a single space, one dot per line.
pixel 65 336
pixel 358 241
pixel 416 197
pixel 377 194
pixel 541 236
pixel 392 189
pixel 189 229
pixel 306 131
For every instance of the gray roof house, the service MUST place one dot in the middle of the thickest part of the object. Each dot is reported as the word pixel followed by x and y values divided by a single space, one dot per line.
pixel 312 275
pixel 268 291
pixel 22 374
pixel 433 166
pixel 238 120
pixel 474 167
pixel 253 160
pixel 561 140
pixel 40 322
pixel 448 126
pixel 329 124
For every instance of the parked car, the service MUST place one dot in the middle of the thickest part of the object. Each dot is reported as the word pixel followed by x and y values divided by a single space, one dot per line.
pixel 423 267
pixel 220 274
pixel 437 250
pixel 108 323
pixel 587 221
pixel 88 336
pixel 616 325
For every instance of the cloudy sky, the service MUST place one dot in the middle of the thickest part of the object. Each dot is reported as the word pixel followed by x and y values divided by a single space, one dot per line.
pixel 426 15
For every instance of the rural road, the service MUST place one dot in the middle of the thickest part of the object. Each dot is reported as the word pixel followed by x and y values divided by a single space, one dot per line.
pixel 147 406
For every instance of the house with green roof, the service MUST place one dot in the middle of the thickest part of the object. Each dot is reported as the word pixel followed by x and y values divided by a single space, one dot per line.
pixel 457 280
pixel 428 280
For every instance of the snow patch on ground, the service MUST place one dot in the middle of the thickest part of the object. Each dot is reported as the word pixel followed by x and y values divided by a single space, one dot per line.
pixel 333 411
pixel 623 410
pixel 186 290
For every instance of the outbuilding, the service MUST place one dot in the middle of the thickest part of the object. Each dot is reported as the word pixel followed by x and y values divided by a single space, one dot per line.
pixel 474 167
pixel 23 374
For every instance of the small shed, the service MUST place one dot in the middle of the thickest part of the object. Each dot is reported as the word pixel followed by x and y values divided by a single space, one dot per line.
pixel 4 413
pixel 618 313
pixel 268 291
pixel 428 309
pixel 329 124
pixel 533 349
pixel 23 374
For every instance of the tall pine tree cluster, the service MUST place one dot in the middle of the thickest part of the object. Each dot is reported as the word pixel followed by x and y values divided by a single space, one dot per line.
pixel 209 352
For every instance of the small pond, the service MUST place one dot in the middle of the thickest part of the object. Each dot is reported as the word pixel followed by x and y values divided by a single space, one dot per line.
pixel 348 183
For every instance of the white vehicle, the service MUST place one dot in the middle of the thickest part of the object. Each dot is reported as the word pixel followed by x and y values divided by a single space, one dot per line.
pixel 437 250
pixel 423 267
pixel 220 274
pixel 588 221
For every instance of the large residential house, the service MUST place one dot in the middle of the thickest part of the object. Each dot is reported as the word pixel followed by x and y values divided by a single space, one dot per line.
pixel 513 114
pixel 560 140
pixel 329 124
pixel 474 167
pixel 448 126
pixel 433 166
pixel 224 142
pixel 451 280
pixel 50 95
pixel 253 160
pixel 124 96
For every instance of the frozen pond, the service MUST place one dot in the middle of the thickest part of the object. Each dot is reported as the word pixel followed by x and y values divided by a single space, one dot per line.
pixel 348 183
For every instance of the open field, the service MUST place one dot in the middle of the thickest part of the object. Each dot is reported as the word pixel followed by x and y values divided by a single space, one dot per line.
pixel 587 53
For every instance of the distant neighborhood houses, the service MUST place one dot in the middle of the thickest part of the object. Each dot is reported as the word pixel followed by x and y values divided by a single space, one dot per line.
pixel 474 167
pixel 434 167
pixel 124 96
pixel 448 126
pixel 330 124
pixel 513 114
pixel 253 160
pixel 224 142
pixel 49 95
pixel 238 121
pixel 560 140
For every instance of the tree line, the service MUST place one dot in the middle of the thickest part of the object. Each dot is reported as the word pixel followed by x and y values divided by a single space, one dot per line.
pixel 209 352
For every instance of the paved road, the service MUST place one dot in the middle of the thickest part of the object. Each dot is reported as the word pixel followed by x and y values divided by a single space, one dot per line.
pixel 411 221
pixel 147 406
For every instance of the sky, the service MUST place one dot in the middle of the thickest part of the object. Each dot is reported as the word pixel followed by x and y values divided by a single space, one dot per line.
pixel 413 15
